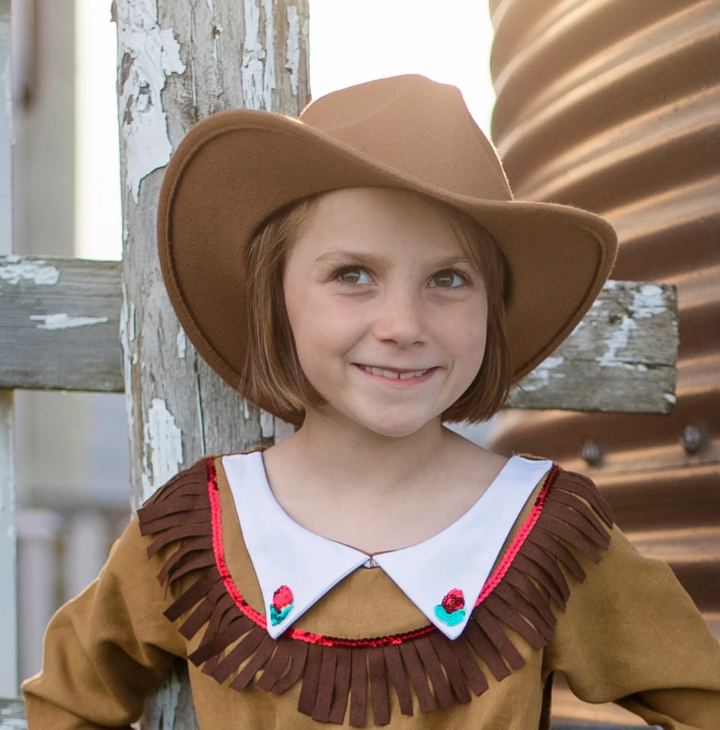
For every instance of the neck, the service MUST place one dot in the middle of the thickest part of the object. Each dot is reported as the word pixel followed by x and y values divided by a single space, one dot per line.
pixel 358 461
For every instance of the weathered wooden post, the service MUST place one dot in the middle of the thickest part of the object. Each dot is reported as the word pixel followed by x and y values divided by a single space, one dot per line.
pixel 179 62
pixel 8 633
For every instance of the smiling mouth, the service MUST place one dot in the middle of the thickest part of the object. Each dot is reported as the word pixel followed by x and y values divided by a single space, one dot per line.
pixel 395 374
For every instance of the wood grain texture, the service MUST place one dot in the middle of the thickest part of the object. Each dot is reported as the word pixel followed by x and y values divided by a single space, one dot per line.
pixel 12 714
pixel 179 62
pixel 226 55
pixel 621 358
pixel 59 321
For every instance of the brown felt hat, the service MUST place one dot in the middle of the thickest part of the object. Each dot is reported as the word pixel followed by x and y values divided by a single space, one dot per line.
pixel 235 168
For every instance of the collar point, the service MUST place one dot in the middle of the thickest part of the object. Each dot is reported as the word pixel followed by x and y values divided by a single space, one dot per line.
pixel 276 632
pixel 451 632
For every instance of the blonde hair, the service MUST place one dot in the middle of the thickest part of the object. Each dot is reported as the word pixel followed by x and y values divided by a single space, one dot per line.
pixel 273 373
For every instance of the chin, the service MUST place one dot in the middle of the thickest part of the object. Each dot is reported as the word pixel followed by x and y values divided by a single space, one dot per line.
pixel 395 425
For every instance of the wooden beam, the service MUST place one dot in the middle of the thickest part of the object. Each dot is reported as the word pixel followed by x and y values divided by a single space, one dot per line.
pixel 622 357
pixel 12 714
pixel 59 323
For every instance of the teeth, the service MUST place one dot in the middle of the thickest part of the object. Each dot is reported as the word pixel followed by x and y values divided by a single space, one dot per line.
pixel 415 374
pixel 393 375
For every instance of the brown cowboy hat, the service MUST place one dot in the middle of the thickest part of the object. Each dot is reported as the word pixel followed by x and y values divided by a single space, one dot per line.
pixel 235 168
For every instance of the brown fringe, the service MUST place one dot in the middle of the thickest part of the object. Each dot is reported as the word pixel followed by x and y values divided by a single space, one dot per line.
pixel 430 671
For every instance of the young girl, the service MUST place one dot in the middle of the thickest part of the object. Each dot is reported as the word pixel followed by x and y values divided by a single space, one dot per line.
pixel 365 273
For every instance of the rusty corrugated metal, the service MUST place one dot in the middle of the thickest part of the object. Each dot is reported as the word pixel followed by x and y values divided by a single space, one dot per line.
pixel 614 106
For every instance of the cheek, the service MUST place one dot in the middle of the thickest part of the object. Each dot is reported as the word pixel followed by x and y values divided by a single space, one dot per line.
pixel 466 334
pixel 322 335
pixel 474 350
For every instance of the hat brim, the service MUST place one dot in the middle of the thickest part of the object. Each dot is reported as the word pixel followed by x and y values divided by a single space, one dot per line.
pixel 237 167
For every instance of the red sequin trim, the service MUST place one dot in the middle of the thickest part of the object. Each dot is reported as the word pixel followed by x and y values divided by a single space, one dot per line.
pixel 310 638
pixel 230 587
pixel 519 539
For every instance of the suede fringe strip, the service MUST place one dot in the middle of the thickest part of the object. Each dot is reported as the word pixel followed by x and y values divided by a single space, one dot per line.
pixel 423 669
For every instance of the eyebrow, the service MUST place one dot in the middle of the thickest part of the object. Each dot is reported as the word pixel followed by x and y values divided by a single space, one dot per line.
pixel 373 260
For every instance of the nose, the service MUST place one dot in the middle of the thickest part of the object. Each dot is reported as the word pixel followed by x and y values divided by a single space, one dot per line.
pixel 401 319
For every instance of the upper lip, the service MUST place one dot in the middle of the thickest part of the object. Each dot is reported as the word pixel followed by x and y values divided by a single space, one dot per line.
pixel 393 369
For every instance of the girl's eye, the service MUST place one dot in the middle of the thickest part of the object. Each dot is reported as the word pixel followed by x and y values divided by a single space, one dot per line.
pixel 354 277
pixel 448 280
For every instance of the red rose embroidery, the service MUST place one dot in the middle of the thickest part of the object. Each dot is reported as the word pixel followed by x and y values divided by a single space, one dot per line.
pixel 453 601
pixel 282 598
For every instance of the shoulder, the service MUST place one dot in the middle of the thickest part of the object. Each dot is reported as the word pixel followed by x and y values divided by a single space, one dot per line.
pixel 564 533
pixel 574 512
pixel 180 496
pixel 187 491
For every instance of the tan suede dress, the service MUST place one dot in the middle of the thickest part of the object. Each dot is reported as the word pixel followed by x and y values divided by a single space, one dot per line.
pixel 568 593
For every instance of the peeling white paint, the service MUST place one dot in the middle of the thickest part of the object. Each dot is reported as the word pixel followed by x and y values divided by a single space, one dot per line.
pixel 648 302
pixel 14 269
pixel 63 321
pixel 170 55
pixel 127 336
pixel 246 410
pixel 162 448
pixel 267 424
pixel 218 30
pixel 618 340
pixel 181 344
pixel 258 62
pixel 292 52
pixel 669 397
pixel 552 362
pixel 147 55
pixel 541 375
pixel 270 80
pixel 211 8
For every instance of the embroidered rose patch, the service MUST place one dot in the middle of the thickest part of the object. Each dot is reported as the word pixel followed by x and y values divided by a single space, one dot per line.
pixel 282 604
pixel 451 610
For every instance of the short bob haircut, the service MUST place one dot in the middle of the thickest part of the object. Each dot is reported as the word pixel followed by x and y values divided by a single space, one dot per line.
pixel 273 374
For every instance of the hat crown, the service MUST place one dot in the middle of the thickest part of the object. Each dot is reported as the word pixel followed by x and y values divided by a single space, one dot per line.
pixel 417 126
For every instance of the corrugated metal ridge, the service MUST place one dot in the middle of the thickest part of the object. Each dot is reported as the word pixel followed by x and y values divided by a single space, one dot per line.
pixel 519 23
pixel 536 78
pixel 686 122
pixel 614 106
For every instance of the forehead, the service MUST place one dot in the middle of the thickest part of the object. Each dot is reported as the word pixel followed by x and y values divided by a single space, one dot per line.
pixel 370 219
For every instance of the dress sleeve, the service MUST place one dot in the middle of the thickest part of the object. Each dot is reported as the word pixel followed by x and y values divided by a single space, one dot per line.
pixel 107 649
pixel 632 635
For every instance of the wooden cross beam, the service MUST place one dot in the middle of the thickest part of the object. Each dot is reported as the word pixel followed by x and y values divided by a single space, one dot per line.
pixel 60 319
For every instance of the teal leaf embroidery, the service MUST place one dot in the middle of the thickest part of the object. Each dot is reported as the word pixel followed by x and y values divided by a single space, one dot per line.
pixel 451 610
pixel 451 619
pixel 282 604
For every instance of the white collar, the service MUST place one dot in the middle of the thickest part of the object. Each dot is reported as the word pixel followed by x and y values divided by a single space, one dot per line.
pixel 296 567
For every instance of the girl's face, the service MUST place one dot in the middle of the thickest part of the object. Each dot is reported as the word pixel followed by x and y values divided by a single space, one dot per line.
pixel 388 312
